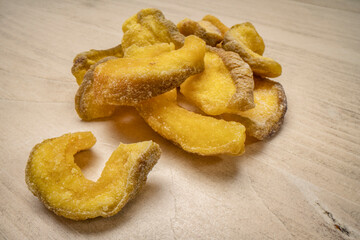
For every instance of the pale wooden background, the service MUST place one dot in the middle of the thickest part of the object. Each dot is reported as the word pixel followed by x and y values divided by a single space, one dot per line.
pixel 298 185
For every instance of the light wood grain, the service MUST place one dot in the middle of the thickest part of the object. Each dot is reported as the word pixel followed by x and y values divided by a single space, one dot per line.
pixel 301 184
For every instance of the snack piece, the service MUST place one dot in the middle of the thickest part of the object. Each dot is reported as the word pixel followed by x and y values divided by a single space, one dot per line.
pixel 83 61
pixel 247 34
pixel 87 104
pixel 225 84
pixel 138 77
pixel 266 118
pixel 193 132
pixel 217 23
pixel 203 29
pixel 244 40
pixel 148 27
pixel 58 182
pixel 127 81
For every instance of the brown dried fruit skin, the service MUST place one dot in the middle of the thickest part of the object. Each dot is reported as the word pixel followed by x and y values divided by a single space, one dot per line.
pixel 128 81
pixel 203 29
pixel 58 182
pixel 266 118
pixel 217 23
pixel 148 27
pixel 244 40
pixel 193 132
pixel 83 61
pixel 87 104
pixel 226 84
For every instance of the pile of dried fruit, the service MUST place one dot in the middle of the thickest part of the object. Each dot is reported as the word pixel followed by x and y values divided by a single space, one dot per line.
pixel 218 69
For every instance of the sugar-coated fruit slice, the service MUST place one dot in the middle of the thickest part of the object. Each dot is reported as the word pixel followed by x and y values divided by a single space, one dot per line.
pixel 225 84
pixel 58 182
pixel 244 40
pixel 90 105
pixel 128 81
pixel 149 26
pixel 193 132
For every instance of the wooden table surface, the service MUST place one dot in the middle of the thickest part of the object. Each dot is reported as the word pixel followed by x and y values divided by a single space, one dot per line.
pixel 304 183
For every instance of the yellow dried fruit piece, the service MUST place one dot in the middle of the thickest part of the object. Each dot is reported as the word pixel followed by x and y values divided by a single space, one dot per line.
pixel 83 61
pixel 225 84
pixel 217 23
pixel 247 34
pixel 128 81
pixel 88 104
pixel 266 118
pixel 193 132
pixel 203 29
pixel 58 182
pixel 244 40
pixel 149 26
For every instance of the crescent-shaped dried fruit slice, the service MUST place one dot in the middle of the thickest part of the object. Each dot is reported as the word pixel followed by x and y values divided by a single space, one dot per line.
pixel 88 105
pixel 225 84
pixel 203 29
pixel 83 61
pixel 193 132
pixel 149 26
pixel 247 34
pixel 244 40
pixel 266 118
pixel 128 81
pixel 58 182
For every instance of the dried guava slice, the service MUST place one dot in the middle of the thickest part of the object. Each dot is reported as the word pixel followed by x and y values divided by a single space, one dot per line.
pixel 58 182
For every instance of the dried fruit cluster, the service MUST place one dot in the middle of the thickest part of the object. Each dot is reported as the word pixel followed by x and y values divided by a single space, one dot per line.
pixel 218 69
